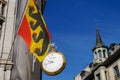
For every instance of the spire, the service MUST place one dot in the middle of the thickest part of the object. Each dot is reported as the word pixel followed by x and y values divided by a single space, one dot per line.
pixel 98 38
pixel 99 42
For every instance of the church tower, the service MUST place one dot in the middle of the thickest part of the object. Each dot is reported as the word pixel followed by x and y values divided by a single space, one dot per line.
pixel 100 50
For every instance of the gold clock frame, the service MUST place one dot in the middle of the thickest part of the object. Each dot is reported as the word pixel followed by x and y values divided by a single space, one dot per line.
pixel 61 68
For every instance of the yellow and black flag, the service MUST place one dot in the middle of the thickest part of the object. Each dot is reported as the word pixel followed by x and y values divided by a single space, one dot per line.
pixel 34 31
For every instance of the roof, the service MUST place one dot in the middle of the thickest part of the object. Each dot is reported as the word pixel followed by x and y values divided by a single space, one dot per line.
pixel 111 59
pixel 99 42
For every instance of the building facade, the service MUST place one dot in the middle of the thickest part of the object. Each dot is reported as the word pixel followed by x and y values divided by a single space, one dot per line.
pixel 16 63
pixel 106 62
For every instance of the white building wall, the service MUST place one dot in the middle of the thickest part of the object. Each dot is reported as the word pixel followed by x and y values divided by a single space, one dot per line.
pixel 101 70
pixel 22 59
pixel 118 64
pixel 77 77
pixel 6 38
pixel 4 75
pixel 1 39
pixel 116 47
pixel 9 32
pixel 3 29
pixel 111 71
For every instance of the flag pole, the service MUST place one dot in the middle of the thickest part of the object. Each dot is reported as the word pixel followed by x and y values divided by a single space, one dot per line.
pixel 37 2
pixel 40 73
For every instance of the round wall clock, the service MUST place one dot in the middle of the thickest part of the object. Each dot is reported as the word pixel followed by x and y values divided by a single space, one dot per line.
pixel 53 63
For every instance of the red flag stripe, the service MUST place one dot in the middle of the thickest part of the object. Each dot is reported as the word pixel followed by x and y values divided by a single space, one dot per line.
pixel 48 33
pixel 25 32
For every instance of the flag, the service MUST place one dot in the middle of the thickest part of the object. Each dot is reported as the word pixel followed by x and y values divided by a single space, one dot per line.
pixel 34 32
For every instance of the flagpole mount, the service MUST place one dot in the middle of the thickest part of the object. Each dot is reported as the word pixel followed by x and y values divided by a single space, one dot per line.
pixel 53 46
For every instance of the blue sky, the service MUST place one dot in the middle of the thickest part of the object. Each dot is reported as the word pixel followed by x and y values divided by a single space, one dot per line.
pixel 72 25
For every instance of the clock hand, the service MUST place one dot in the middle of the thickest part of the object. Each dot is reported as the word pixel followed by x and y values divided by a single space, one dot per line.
pixel 50 61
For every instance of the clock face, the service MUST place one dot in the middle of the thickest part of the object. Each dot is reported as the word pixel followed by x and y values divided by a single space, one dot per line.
pixel 54 63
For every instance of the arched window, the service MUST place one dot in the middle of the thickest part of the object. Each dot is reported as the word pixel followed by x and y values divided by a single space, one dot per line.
pixel 104 55
pixel 116 72
pixel 100 53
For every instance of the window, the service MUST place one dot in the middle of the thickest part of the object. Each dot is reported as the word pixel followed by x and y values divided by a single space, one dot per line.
pixel 98 76
pixel 116 72
pixel 112 48
pixel 82 74
pixel 96 55
pixel 2 5
pixel 100 54
pixel 1 24
pixel 2 11
pixel 104 53
pixel 2 16
pixel 0 30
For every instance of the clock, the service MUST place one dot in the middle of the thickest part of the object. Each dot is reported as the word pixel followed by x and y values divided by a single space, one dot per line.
pixel 54 63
